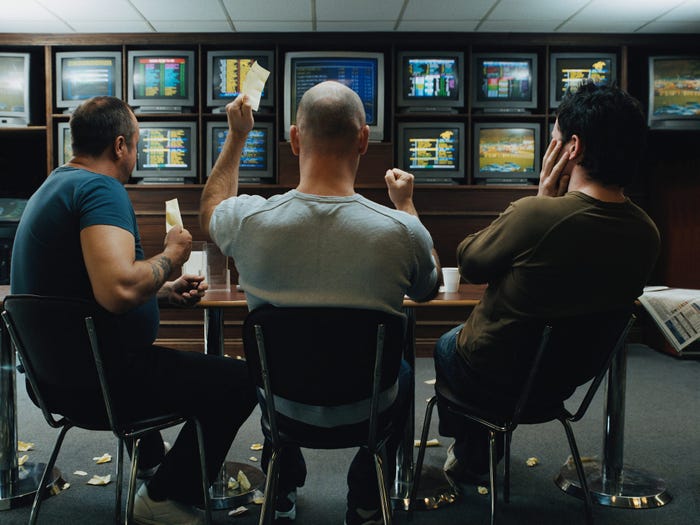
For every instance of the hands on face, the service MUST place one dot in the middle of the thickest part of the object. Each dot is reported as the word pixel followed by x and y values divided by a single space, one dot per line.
pixel 553 181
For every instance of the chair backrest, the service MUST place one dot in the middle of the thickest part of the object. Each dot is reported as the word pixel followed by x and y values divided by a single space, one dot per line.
pixel 573 350
pixel 323 356
pixel 51 337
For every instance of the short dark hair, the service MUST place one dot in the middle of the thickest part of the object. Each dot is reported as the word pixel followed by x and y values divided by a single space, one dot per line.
pixel 97 122
pixel 610 123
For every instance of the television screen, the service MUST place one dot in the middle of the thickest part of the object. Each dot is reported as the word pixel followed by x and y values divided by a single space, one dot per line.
pixel 504 82
pixel 430 80
pixel 226 71
pixel 362 72
pixel 167 152
pixel 161 81
pixel 432 151
pixel 14 89
pixel 506 153
pixel 569 70
pixel 257 158
pixel 65 148
pixel 674 92
pixel 82 75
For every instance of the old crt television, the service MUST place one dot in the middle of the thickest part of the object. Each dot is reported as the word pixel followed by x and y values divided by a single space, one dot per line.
pixel 363 72
pixel 14 89
pixel 160 81
pixel 430 80
pixel 167 153
pixel 257 160
pixel 81 75
pixel 567 71
pixel 64 151
pixel 504 82
pixel 506 153
pixel 674 92
pixel 433 151
pixel 226 71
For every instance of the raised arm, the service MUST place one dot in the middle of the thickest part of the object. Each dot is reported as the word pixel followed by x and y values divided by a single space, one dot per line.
pixel 120 282
pixel 223 180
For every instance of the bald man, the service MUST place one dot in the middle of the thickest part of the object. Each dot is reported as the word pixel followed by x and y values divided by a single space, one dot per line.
pixel 322 244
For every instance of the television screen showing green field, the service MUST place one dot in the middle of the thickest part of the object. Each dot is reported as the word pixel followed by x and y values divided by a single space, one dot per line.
pixel 12 83
pixel 676 87
pixel 507 150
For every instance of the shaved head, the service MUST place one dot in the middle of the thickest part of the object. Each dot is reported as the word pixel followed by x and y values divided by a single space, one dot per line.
pixel 330 115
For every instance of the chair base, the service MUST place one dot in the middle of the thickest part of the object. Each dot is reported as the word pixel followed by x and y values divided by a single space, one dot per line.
pixel 224 498
pixel 22 493
pixel 435 491
pixel 638 489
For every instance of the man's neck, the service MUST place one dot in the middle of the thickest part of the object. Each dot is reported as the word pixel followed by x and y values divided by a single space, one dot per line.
pixel 580 181
pixel 95 165
pixel 326 176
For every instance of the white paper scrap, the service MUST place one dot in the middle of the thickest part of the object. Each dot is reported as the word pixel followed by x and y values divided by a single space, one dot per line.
pixel 172 214
pixel 254 83
pixel 104 458
pixel 100 480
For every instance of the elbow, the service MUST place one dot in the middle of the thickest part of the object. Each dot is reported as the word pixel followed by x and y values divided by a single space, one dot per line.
pixel 117 301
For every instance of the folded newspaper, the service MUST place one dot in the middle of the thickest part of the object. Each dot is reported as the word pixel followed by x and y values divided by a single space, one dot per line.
pixel 676 311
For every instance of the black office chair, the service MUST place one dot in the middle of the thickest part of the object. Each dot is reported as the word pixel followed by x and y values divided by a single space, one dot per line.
pixel 323 357
pixel 571 352
pixel 69 375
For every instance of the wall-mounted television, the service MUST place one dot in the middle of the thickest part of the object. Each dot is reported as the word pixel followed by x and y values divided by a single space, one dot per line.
pixel 363 72
pixel 161 81
pixel 430 80
pixel 167 152
pixel 674 92
pixel 257 160
pixel 64 150
pixel 433 151
pixel 14 89
pixel 226 71
pixel 81 75
pixel 504 82
pixel 568 71
pixel 506 153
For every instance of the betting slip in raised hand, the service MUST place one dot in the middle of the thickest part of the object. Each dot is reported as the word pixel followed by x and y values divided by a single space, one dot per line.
pixel 254 83
pixel 172 215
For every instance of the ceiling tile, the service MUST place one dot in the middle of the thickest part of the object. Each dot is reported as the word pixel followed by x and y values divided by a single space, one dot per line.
pixel 112 26
pixel 33 26
pixel 92 10
pixel 191 26
pixel 274 10
pixel 689 26
pixel 272 26
pixel 689 10
pixel 601 26
pixel 363 9
pixel 624 10
pixel 438 25
pixel 180 9
pixel 531 25
pixel 356 25
pixel 26 10
pixel 547 9
pixel 419 10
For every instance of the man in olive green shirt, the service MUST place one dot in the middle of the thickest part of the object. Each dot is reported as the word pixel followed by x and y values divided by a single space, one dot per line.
pixel 579 247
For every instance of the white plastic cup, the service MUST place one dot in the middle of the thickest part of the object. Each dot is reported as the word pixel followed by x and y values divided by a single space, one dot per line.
pixel 450 277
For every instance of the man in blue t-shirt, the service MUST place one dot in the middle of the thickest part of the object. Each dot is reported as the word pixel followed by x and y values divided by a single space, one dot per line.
pixel 82 218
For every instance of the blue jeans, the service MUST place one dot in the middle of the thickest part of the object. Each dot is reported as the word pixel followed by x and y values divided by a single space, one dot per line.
pixel 471 439
pixel 363 491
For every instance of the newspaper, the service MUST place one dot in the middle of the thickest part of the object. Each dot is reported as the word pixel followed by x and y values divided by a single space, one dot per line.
pixel 677 313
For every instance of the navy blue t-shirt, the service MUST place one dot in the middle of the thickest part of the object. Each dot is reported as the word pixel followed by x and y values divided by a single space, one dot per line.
pixel 47 258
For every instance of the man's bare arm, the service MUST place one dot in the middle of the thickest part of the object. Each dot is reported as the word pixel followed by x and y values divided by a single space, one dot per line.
pixel 119 282
pixel 223 180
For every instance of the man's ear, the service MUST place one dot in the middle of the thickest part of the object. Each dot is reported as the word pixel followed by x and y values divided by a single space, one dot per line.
pixel 575 148
pixel 121 148
pixel 364 139
pixel 294 139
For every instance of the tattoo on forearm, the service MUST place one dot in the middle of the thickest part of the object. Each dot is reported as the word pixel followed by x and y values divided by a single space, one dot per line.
pixel 161 268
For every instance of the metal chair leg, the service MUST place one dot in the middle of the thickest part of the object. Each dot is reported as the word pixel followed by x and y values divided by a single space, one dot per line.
pixel 421 452
pixel 588 504
pixel 506 467
pixel 267 512
pixel 383 492
pixel 131 491
pixel 41 489
pixel 120 479
pixel 205 475
pixel 492 474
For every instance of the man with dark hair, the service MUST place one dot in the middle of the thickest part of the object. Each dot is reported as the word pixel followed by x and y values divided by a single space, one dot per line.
pixel 322 244
pixel 81 218
pixel 580 246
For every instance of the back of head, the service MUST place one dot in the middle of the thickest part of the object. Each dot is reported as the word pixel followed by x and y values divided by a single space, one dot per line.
pixel 611 125
pixel 97 122
pixel 330 117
